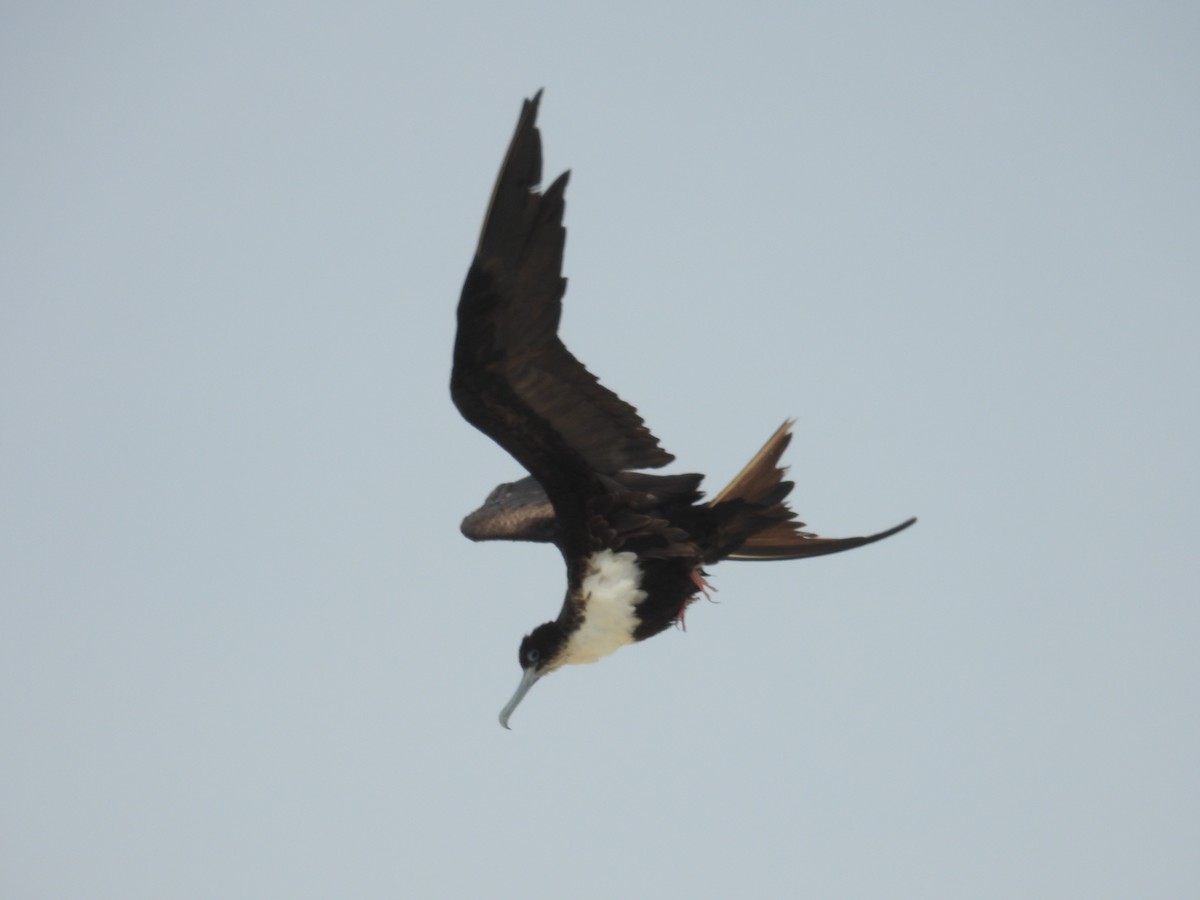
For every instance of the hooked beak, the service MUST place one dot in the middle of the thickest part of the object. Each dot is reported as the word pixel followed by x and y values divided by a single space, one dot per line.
pixel 527 680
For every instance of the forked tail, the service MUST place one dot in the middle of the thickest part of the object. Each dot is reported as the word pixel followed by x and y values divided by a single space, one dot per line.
pixel 756 522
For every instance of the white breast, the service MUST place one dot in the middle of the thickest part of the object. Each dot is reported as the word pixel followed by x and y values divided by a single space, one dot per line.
pixel 611 592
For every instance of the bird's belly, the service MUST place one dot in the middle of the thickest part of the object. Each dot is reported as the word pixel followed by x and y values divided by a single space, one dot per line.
pixel 611 592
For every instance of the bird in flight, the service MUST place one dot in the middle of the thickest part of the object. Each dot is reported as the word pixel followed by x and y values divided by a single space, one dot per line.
pixel 636 544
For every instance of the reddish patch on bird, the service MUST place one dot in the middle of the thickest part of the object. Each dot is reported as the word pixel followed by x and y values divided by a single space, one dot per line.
pixel 702 587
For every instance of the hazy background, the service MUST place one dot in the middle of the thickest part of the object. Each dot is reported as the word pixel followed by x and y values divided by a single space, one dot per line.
pixel 244 651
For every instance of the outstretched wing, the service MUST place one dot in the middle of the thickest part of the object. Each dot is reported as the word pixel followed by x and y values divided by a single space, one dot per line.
pixel 513 378
pixel 513 511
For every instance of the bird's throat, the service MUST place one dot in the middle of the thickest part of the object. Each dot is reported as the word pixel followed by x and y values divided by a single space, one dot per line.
pixel 611 592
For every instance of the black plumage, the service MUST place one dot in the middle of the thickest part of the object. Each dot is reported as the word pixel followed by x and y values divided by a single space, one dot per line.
pixel 634 543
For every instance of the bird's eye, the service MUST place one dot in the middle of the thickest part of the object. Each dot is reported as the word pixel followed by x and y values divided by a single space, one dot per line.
pixel 532 655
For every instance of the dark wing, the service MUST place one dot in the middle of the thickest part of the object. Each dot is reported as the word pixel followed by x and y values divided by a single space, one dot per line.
pixel 513 379
pixel 517 511
pixel 521 511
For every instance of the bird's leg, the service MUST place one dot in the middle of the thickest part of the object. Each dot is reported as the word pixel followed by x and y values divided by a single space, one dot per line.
pixel 702 587
pixel 681 621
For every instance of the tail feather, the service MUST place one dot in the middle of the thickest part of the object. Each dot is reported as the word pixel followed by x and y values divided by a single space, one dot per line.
pixel 757 523
pixel 787 542
pixel 763 473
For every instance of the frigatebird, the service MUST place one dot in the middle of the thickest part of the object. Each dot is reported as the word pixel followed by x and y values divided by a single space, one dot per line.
pixel 635 544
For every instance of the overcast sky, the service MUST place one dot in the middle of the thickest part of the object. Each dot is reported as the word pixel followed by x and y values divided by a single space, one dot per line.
pixel 245 652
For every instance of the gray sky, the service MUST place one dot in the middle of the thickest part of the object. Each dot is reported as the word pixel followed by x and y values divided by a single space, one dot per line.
pixel 245 651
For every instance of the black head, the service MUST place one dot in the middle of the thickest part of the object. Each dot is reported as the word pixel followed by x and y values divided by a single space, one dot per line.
pixel 541 646
pixel 539 654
